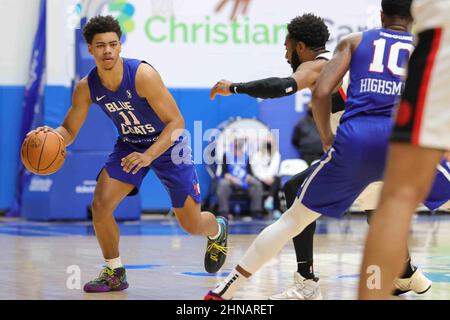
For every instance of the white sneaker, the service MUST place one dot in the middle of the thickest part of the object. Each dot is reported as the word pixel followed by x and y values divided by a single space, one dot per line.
pixel 417 283
pixel 303 289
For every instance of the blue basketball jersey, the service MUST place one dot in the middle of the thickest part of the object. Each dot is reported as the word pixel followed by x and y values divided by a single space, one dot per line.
pixel 377 71
pixel 134 118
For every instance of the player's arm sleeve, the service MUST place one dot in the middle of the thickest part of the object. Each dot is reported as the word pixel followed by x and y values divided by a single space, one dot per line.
pixel 266 88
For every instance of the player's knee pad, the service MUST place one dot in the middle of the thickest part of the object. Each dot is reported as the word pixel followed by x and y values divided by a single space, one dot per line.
pixel 298 217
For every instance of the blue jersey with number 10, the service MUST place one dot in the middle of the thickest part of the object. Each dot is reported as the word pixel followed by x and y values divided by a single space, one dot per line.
pixel 377 72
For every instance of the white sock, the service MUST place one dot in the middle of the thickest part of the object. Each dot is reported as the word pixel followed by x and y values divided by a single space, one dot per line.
pixel 273 238
pixel 114 263
pixel 230 285
pixel 218 233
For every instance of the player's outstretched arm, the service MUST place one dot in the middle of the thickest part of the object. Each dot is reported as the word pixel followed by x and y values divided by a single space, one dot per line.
pixel 329 79
pixel 264 88
pixel 75 116
pixel 273 87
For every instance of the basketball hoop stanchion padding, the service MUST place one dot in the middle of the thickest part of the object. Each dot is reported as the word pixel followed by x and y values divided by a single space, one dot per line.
pixel 68 193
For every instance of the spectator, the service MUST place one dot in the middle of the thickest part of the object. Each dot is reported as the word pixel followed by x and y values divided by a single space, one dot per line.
pixel 306 139
pixel 236 173
pixel 265 164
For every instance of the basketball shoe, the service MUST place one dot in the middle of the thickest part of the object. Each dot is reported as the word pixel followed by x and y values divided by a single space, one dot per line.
pixel 302 289
pixel 108 280
pixel 417 283
pixel 216 250
pixel 212 296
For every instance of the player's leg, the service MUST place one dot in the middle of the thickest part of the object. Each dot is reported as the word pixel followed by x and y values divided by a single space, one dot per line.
pixel 194 221
pixel 266 245
pixel 305 284
pixel 341 189
pixel 108 194
pixel 409 176
pixel 411 278
pixel 422 120
pixel 197 222
pixel 303 242
pixel 181 181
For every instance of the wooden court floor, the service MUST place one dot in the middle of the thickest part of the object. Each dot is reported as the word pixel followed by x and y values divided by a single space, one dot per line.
pixel 51 260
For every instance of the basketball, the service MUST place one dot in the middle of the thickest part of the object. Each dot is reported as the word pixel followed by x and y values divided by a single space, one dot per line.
pixel 43 153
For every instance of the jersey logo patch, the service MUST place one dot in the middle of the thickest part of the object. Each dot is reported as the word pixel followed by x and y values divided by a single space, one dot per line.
pixel 196 187
pixel 129 94
pixel 100 98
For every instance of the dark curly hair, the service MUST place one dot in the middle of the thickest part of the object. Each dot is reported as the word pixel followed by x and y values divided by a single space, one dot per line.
pixel 309 29
pixel 101 24
pixel 401 8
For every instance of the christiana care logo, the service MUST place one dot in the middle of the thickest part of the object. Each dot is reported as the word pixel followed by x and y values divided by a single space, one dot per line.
pixel 123 12
pixel 120 9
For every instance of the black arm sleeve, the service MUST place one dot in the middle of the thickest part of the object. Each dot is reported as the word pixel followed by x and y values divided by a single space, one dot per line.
pixel 337 102
pixel 266 88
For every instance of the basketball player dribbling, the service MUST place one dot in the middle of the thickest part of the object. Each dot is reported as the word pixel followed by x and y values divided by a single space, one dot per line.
pixel 149 123
pixel 419 139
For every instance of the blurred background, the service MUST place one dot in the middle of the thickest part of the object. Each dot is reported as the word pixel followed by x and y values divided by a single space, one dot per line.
pixel 190 43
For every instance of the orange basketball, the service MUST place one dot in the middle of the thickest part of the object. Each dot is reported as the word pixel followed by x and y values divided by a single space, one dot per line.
pixel 43 153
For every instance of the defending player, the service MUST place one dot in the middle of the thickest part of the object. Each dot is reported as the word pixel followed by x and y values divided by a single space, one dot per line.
pixel 307 55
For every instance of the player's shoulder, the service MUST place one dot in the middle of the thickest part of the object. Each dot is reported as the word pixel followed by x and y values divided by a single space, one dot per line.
pixel 145 71
pixel 353 38
pixel 313 65
pixel 81 90
pixel 82 84
pixel 350 41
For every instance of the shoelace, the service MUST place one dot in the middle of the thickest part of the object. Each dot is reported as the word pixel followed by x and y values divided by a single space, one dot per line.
pixel 110 277
pixel 105 274
pixel 217 248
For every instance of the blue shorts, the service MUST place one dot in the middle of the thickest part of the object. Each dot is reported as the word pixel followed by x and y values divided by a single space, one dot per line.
pixel 440 191
pixel 180 180
pixel 356 159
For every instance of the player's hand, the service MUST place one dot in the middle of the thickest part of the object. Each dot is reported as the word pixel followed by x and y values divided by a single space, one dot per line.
pixel 44 129
pixel 135 160
pixel 221 88
pixel 39 129
pixel 238 4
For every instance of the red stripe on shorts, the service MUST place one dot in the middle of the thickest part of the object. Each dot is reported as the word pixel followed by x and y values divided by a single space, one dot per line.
pixel 343 95
pixel 425 84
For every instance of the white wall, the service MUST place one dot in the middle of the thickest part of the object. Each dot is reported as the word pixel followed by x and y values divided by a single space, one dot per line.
pixel 61 21
pixel 18 21
pixel 200 63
